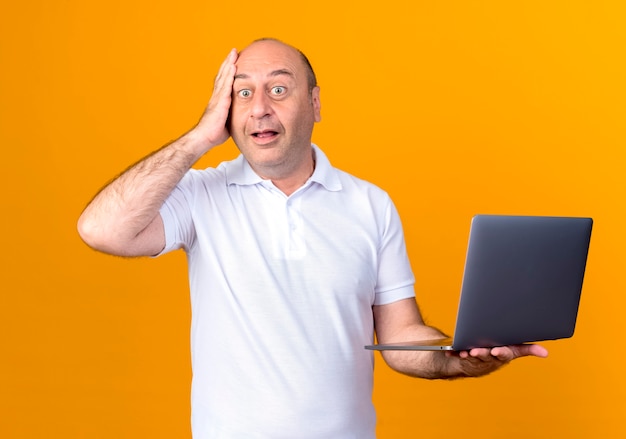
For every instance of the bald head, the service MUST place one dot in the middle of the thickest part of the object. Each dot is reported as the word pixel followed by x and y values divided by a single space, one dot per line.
pixel 310 74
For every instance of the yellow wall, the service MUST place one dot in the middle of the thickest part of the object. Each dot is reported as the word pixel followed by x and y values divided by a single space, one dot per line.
pixel 453 107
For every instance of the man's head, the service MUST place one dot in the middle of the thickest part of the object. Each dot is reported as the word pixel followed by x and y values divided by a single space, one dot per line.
pixel 274 108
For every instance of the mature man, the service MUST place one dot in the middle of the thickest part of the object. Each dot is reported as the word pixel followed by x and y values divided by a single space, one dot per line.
pixel 293 264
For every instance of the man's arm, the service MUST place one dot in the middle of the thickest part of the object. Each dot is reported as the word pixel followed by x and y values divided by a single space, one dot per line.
pixel 402 321
pixel 123 218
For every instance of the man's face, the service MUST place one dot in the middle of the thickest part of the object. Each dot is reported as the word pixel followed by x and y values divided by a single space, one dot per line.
pixel 273 111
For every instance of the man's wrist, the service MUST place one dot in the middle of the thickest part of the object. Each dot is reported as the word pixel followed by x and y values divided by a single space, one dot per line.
pixel 194 145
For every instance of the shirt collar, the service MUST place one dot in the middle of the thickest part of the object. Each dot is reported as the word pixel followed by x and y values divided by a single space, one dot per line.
pixel 239 172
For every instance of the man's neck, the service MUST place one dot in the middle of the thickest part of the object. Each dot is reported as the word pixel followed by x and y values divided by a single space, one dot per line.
pixel 293 180
pixel 291 184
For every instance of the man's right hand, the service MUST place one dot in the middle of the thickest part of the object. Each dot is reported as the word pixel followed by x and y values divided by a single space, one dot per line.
pixel 212 129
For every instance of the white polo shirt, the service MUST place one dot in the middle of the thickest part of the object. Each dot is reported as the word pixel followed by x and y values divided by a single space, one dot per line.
pixel 282 290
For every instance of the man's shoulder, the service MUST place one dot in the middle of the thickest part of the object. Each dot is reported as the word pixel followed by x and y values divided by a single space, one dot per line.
pixel 333 177
pixel 204 176
pixel 213 174
pixel 351 181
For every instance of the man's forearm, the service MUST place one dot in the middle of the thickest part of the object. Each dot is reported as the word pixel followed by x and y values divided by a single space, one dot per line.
pixel 401 321
pixel 124 208
pixel 423 364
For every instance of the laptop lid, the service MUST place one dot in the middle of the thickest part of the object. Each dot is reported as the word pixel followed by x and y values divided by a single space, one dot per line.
pixel 522 282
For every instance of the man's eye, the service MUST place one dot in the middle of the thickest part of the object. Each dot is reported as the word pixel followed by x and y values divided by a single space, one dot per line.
pixel 245 93
pixel 278 90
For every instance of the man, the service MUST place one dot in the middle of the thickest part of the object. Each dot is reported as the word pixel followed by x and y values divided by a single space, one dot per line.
pixel 293 264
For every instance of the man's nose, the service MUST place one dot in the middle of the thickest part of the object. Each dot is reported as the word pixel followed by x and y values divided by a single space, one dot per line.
pixel 261 105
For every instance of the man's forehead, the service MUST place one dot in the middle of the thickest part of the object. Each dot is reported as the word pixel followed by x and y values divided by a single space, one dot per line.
pixel 269 57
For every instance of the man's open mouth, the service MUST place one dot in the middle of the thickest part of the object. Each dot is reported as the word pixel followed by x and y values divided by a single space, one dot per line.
pixel 264 134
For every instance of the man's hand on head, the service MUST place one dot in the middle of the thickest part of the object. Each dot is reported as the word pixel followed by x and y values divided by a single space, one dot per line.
pixel 212 127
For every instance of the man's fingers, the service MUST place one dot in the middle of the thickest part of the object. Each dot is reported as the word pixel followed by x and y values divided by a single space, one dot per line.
pixel 508 353
pixel 483 354
pixel 534 350
pixel 505 353
pixel 226 73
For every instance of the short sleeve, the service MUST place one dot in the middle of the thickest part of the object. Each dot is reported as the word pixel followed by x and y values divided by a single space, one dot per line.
pixel 395 277
pixel 176 213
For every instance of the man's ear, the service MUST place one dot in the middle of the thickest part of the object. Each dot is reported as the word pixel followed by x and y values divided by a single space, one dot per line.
pixel 317 105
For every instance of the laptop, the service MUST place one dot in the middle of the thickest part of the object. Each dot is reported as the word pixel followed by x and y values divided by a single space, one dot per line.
pixel 522 283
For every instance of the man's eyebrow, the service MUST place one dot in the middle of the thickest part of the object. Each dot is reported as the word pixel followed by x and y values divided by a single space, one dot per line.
pixel 278 72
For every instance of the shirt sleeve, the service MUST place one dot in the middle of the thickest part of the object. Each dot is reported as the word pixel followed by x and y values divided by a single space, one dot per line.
pixel 395 276
pixel 177 217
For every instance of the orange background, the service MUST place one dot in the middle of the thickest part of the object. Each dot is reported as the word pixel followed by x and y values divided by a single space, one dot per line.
pixel 455 108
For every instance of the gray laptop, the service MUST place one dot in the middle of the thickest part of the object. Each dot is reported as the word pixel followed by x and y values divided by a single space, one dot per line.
pixel 522 282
